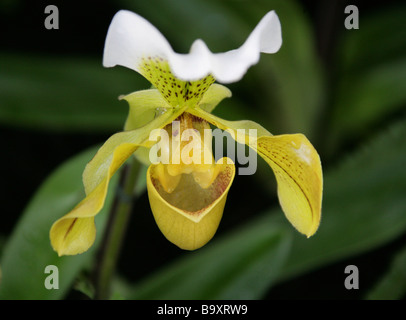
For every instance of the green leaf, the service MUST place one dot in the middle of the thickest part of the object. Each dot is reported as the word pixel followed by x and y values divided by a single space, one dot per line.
pixel 28 250
pixel 228 269
pixel 366 98
pixel 393 283
pixel 371 74
pixel 379 39
pixel 64 94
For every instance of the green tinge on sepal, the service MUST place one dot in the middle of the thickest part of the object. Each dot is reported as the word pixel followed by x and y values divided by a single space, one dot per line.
pixel 144 106
pixel 213 96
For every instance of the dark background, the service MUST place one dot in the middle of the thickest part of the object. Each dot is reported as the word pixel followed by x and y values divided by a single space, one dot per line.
pixel 26 158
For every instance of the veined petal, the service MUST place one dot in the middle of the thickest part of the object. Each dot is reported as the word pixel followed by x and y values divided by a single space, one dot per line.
pixel 189 215
pixel 75 232
pixel 131 39
pixel 297 169
pixel 295 163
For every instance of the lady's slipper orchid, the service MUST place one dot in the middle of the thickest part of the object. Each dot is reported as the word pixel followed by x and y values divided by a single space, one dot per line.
pixel 187 198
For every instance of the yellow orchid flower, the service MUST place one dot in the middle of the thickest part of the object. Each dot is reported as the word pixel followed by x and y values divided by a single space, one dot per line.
pixel 187 195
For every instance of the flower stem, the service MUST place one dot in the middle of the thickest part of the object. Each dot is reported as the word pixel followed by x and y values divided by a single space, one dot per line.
pixel 115 230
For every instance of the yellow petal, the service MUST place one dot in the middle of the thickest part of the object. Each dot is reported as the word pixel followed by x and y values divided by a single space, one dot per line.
pixel 168 181
pixel 97 168
pixel 190 215
pixel 295 163
pixel 75 232
pixel 297 168
pixel 232 126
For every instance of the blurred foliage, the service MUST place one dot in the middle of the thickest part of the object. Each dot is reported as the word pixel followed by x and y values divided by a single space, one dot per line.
pixel 393 283
pixel 47 101
pixel 371 75
pixel 351 106
pixel 28 251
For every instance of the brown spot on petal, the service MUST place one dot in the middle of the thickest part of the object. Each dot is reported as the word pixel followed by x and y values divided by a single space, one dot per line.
pixel 156 69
